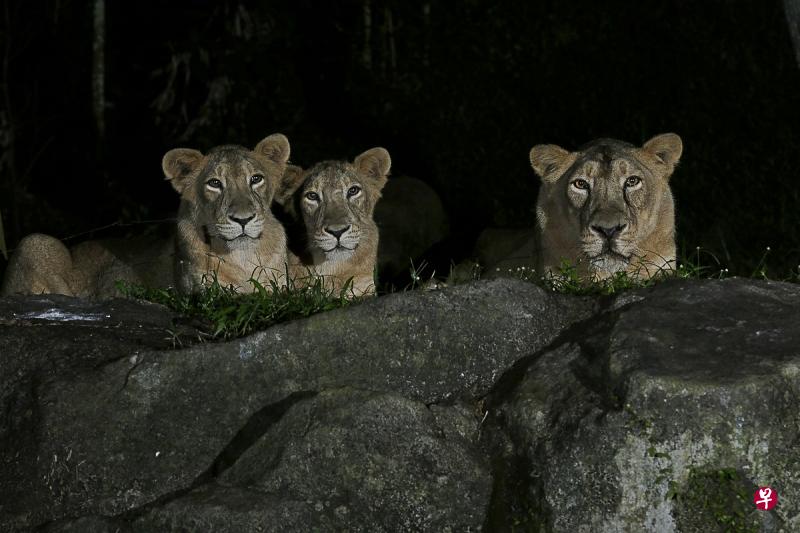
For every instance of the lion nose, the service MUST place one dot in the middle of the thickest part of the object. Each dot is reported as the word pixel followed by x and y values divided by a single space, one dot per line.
pixel 242 221
pixel 610 231
pixel 336 232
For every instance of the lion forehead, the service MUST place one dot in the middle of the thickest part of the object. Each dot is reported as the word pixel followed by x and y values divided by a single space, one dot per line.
pixel 330 176
pixel 234 163
pixel 607 159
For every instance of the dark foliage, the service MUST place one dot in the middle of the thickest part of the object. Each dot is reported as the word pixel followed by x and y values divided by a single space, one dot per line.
pixel 457 93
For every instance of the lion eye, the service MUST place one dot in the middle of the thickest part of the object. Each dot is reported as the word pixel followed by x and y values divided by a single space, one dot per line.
pixel 214 183
pixel 581 184
pixel 314 197
pixel 255 179
pixel 633 181
pixel 352 191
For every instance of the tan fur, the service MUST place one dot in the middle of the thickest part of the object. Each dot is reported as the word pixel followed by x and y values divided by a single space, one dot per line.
pixel 43 264
pixel 206 240
pixel 225 225
pixel 293 178
pixel 40 264
pixel 328 202
pixel 592 215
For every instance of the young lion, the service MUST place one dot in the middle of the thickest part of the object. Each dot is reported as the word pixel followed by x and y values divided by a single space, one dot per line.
pixel 43 264
pixel 607 207
pixel 336 200
pixel 224 227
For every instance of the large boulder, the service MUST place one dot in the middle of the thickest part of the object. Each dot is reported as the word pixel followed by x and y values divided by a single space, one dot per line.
pixel 131 433
pixel 663 414
pixel 489 406
pixel 347 459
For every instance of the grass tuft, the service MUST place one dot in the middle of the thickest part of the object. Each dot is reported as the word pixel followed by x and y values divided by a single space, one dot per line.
pixel 226 312
pixel 700 264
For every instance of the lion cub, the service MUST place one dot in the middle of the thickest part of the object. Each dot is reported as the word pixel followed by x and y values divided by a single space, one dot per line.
pixel 225 224
pixel 225 227
pixel 336 200
pixel 607 207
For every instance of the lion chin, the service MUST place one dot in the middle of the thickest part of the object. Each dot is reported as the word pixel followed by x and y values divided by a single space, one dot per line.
pixel 339 252
pixel 244 237
pixel 608 263
pixel 236 235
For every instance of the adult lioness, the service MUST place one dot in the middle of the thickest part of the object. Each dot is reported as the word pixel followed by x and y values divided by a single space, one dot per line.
pixel 607 207
pixel 225 225
pixel 337 200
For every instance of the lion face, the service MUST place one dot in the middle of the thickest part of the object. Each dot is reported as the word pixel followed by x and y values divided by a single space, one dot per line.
pixel 610 202
pixel 229 190
pixel 337 200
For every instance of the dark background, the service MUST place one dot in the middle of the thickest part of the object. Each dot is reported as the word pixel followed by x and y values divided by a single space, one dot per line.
pixel 458 92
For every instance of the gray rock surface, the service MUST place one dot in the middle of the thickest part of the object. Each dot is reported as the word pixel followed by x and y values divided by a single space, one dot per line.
pixel 339 460
pixel 141 429
pixel 664 415
pixel 489 406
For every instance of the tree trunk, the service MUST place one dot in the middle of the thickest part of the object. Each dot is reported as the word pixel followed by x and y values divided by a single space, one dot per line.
pixel 8 130
pixel 792 10
pixel 390 37
pixel 426 20
pixel 366 51
pixel 99 69
pixel 3 247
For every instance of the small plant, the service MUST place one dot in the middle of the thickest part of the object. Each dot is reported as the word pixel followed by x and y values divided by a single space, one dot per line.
pixel 229 312
pixel 701 265
pixel 421 280
pixel 760 271
pixel 416 273
pixel 568 280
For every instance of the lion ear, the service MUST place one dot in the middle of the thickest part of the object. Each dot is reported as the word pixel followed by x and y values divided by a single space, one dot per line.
pixel 667 147
pixel 374 163
pixel 180 165
pixel 293 178
pixel 547 159
pixel 275 148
